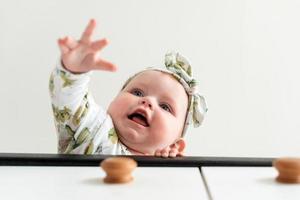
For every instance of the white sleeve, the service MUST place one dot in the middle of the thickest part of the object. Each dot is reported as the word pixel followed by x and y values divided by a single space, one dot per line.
pixel 73 107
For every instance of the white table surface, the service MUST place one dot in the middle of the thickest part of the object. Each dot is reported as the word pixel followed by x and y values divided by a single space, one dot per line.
pixel 242 183
pixel 84 183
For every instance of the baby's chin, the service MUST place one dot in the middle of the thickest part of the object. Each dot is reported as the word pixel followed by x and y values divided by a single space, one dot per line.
pixel 135 143
pixel 128 134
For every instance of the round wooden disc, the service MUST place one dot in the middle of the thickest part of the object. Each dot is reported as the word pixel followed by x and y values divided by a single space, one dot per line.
pixel 288 169
pixel 118 169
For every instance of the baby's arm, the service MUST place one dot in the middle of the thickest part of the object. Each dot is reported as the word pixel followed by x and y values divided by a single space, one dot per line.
pixel 73 107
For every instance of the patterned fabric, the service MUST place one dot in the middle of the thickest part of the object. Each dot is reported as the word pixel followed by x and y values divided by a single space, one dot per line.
pixel 82 126
pixel 180 68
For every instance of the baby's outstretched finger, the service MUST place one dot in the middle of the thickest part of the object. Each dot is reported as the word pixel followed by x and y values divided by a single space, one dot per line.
pixel 86 36
pixel 99 44
pixel 70 42
pixel 63 48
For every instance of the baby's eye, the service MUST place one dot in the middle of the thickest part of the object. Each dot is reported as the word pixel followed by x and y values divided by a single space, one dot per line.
pixel 137 92
pixel 166 107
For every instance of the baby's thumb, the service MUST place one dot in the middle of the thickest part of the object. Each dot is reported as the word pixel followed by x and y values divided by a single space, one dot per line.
pixel 179 145
pixel 105 65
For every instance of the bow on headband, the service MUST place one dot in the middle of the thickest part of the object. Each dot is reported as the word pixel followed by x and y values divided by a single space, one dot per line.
pixel 181 69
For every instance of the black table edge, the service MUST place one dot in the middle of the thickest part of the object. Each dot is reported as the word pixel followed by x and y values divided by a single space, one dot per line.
pixel 33 159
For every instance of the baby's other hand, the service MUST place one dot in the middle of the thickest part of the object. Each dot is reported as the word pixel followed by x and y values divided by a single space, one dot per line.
pixel 172 151
pixel 83 55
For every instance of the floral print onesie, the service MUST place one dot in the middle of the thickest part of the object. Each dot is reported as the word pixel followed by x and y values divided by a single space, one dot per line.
pixel 83 127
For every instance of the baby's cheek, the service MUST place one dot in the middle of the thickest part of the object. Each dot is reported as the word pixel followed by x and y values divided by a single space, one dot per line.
pixel 117 103
pixel 113 108
pixel 168 131
pixel 177 127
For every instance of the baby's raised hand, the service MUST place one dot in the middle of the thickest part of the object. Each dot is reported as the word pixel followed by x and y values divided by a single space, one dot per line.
pixel 83 55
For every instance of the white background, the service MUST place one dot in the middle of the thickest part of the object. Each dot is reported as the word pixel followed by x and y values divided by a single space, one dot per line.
pixel 245 54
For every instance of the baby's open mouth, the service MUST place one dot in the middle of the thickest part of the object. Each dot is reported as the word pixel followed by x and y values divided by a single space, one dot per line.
pixel 139 118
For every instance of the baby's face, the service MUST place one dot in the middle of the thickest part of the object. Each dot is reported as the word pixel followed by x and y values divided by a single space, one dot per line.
pixel 149 113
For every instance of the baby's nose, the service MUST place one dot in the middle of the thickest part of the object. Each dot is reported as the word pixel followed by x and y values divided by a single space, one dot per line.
pixel 147 103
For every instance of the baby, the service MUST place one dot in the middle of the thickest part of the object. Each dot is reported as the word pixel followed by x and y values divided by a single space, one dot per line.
pixel 149 116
